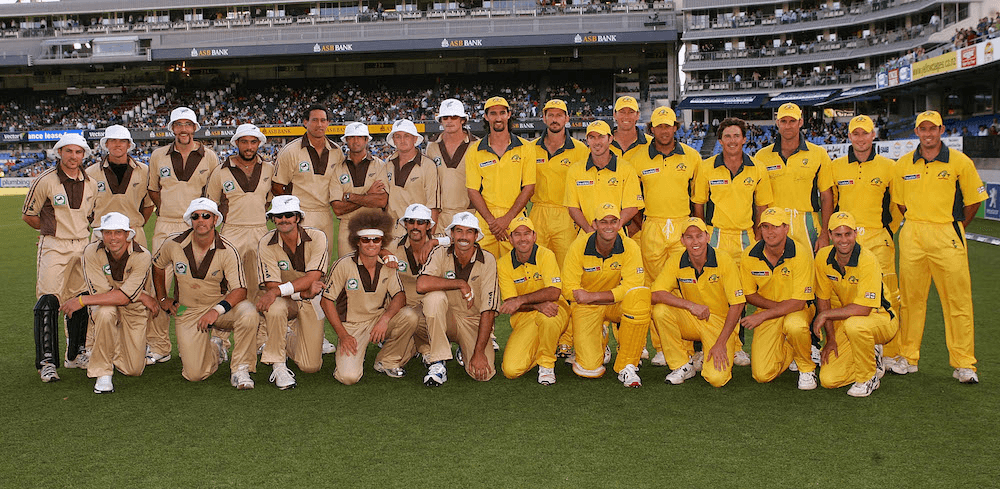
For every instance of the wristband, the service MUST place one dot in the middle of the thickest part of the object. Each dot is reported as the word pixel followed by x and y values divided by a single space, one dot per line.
pixel 295 297
pixel 444 241
pixel 219 309
pixel 226 305
pixel 286 289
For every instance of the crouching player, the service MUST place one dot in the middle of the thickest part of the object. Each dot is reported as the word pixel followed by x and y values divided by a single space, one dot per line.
pixel 708 309
pixel 531 286
pixel 856 331
pixel 361 284
pixel 211 290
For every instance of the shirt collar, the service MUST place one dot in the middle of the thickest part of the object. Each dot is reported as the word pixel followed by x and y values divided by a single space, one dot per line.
pixel 746 162
pixel 710 260
pixel 851 158
pixel 591 249
pixel 531 259
pixel 478 257
pixel 678 150
pixel 943 156
pixel 776 147
pixel 831 259
pixel 200 150
pixel 612 165
pixel 484 144
pixel 567 145
pixel 758 251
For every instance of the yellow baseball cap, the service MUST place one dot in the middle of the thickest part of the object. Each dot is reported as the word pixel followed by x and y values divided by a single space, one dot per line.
pixel 842 219
pixel 496 101
pixel 600 127
pixel 626 101
pixel 663 115
pixel 931 116
pixel 521 221
pixel 774 216
pixel 696 222
pixel 555 104
pixel 789 110
pixel 863 122
pixel 607 209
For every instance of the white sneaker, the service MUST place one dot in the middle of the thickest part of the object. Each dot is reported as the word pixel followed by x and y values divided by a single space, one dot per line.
pixel 395 372
pixel 546 376
pixel 241 379
pixel 644 355
pixel 282 378
pixel 459 357
pixel 680 374
pixel 328 347
pixel 221 348
pixel 741 358
pixel 807 381
pixel 563 351
pixel 888 363
pixel 658 360
pixel 629 377
pixel 607 354
pixel 879 366
pixel 903 367
pixel 571 359
pixel 966 375
pixel 815 354
pixel 260 349
pixel 82 361
pixel 48 373
pixel 152 358
pixel 104 385
pixel 698 360
pixel 794 367
pixel 496 346
pixel 437 374
pixel 864 389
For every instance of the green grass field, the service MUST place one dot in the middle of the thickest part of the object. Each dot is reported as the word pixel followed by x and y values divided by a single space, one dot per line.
pixel 158 430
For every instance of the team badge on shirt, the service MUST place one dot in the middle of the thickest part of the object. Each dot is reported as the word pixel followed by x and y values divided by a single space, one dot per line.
pixel 59 199
pixel 449 274
pixel 164 171
pixel 181 268
pixel 283 265
pixel 303 166
pixel 102 187
pixel 352 284
pixel 107 269
pixel 345 178
pixel 228 186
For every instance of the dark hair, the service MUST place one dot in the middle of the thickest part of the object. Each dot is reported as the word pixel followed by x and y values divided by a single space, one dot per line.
pixel 311 108
pixel 302 217
pixel 731 121
pixel 368 219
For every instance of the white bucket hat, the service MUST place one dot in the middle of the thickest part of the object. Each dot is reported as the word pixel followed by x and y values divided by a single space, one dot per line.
pixel 202 204
pixel 356 129
pixel 71 139
pixel 417 211
pixel 248 130
pixel 449 107
pixel 404 126
pixel 182 113
pixel 468 220
pixel 117 132
pixel 115 221
pixel 284 203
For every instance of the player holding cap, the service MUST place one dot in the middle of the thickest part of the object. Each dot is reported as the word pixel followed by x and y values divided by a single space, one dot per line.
pixel 59 205
pixel 531 286
pixel 448 152
pixel 939 194
pixel 122 183
pixel 414 177
pixel 855 331
pixel 362 180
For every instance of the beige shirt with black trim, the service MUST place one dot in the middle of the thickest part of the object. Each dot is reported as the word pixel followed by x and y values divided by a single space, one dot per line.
pixel 402 249
pixel 361 296
pixel 451 172
pixel 242 198
pixel 276 262
pixel 128 196
pixel 312 174
pixel 64 205
pixel 358 178
pixel 104 273
pixel 481 275
pixel 413 182
pixel 178 181
pixel 203 284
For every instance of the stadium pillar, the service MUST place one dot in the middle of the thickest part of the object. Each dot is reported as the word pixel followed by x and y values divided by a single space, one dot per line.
pixel 933 101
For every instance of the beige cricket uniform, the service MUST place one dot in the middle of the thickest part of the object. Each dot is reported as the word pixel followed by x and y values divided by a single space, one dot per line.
pixel 119 331
pixel 278 263
pixel 312 178
pixel 414 182
pixel 356 179
pixel 448 316
pixel 200 286
pixel 451 178
pixel 178 182
pixel 64 205
pixel 362 299
pixel 402 249
pixel 127 197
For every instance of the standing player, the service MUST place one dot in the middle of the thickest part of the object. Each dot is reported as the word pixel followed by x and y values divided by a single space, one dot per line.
pixel 448 152
pixel 59 205
pixel 531 284
pixel 414 177
pixel 628 139
pixel 122 183
pixel 363 180
pixel 500 176
pixel 178 174
pixel 939 194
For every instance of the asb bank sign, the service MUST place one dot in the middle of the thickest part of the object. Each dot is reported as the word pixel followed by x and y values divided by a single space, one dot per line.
pixel 209 53
pixel 462 43
pixel 591 39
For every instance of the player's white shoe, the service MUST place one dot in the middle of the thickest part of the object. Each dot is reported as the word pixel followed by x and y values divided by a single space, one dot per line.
pixel 903 367
pixel 864 389
pixel 741 358
pixel 888 363
pixel 437 374
pixel 546 376
pixel 282 378
pixel 815 354
pixel 241 379
pixel 48 373
pixel 571 359
pixel 607 354
pixel 328 347
pixel 698 360
pixel 629 377
pixel 563 351
pixel 793 367
pixel 459 357
pixel 807 381
pixel 658 360
pixel 879 366
pixel 82 361
pixel 152 358
pixel 680 374
pixel 496 346
pixel 644 355
pixel 104 385
pixel 966 376
pixel 221 348
pixel 395 372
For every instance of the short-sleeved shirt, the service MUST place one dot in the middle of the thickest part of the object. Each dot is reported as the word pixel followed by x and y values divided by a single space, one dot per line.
pixel 178 181
pixel 201 284
pixel 667 180
pixel 865 188
pixel 276 262
pixel 730 198
pixel 412 182
pixel 358 178
pixel 585 268
pixel 796 181
pixel 718 285
pixel 551 169
pixel 64 205
pixel 128 196
pixel 360 296
pixel 410 268
pixel 790 278
pixel 860 282
pixel 480 274
pixel 937 190
pixel 310 173
pixel 500 178
pixel 242 199
pixel 104 273
pixel 587 185
pixel 640 144
pixel 540 271
pixel 451 172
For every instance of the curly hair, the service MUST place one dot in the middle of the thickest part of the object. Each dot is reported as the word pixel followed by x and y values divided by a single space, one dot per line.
pixel 368 219
pixel 732 121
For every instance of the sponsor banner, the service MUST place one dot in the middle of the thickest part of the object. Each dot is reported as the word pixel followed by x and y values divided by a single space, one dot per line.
pixel 882 79
pixel 893 77
pixel 936 65
pixel 892 149
pixel 992 207
pixel 13 137
pixel 36 136
pixel 967 58
pixel 13 59
pixel 15 182
pixel 905 73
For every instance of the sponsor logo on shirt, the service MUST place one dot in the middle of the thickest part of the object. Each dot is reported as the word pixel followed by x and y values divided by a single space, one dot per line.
pixel 721 181
pixel 809 290
pixel 774 168
pixel 540 161
pixel 487 163
pixel 687 280
pixel 738 293
pixel 556 280
pixel 520 280
pixel 915 176
pixel 832 277
pixel 869 295
pixel 761 273
pixel 584 183
pixel 591 269
pixel 845 182
pixel 651 171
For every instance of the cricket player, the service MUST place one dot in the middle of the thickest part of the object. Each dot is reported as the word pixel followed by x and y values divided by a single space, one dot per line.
pixel 939 194
pixel 448 152
pixel 122 183
pixel 365 302
pixel 363 180
pixel 855 331
pixel 59 205
pixel 211 293
pixel 603 279
pixel 698 297
pixel 628 139
pixel 414 177
pixel 531 286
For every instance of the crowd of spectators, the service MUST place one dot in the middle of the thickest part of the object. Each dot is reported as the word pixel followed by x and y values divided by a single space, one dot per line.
pixel 986 28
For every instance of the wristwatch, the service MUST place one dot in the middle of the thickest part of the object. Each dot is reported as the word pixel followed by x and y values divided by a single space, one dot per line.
pixel 347 196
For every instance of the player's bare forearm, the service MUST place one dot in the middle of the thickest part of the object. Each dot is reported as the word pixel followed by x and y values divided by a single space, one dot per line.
pixel 146 212
pixel 969 212
pixel 301 284
pixel 485 330
pixel 579 219
pixel 236 296
pixel 159 282
pixel 395 305
pixel 154 195
pixel 277 188
pixel 430 283
pixel 826 206
pixel 521 201
pixel 732 320
pixel 699 211
pixel 341 207
pixel 33 221
pixel 842 313
pixel 627 214
pixel 760 302
pixel 477 201
pixel 664 297
pixel 547 294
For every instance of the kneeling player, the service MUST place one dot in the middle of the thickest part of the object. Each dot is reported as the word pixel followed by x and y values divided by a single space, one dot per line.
pixel 856 331
pixel 708 309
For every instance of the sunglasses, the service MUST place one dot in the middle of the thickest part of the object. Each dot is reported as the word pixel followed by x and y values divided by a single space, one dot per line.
pixel 285 215
pixel 421 222
pixel 376 239
pixel 206 216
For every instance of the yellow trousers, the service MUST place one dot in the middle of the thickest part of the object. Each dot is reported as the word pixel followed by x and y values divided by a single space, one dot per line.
pixel 856 340
pixel 533 340
pixel 678 327
pixel 804 227
pixel 587 321
pixel 490 242
pixel 778 341
pixel 555 229
pixel 879 242
pixel 661 239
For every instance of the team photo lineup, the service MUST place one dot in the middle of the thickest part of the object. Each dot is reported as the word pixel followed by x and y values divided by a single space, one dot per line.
pixel 625 235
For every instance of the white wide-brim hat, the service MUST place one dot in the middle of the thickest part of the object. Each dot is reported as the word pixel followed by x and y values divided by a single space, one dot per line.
pixel 115 221
pixel 417 211
pixel 356 129
pixel 182 113
pixel 117 132
pixel 284 203
pixel 202 204
pixel 468 220
pixel 404 126
pixel 72 139
pixel 248 130
pixel 451 107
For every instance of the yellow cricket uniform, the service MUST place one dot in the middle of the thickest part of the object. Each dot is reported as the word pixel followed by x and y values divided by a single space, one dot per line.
pixel 622 274
pixel 311 176
pixel 451 178
pixel 500 179
pixel 796 183
pixel 729 200
pixel 859 282
pixel 640 144
pixel 716 286
pixel 534 335
pixel 555 228
pixel 932 246
pixel 587 184
pixel 776 342
pixel 128 196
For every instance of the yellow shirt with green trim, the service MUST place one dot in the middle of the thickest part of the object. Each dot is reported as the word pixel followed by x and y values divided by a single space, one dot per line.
pixel 587 185
pixel 796 181
pixel 937 190
pixel 500 178
pixel 585 268
pixel 550 169
pixel 540 271
pixel 639 145
pixel 730 198
pixel 865 188
pixel 790 278
pixel 717 286
pixel 860 282
pixel 668 179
